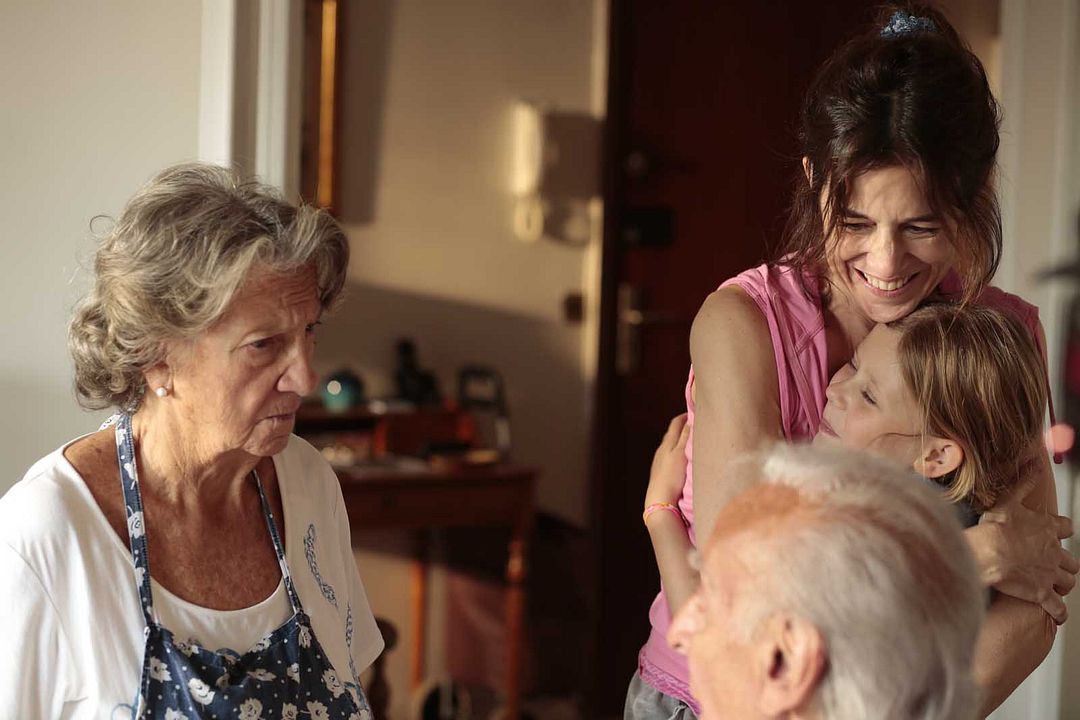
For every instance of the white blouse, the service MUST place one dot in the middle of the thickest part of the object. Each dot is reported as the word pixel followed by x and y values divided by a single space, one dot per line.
pixel 71 612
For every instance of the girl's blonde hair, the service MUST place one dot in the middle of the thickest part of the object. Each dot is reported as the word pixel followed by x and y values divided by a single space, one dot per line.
pixel 979 379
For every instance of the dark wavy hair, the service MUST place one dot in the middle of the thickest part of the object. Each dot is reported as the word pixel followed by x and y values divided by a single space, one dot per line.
pixel 917 99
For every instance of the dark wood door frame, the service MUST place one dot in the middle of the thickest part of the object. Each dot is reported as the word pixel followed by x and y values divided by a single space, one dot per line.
pixel 612 189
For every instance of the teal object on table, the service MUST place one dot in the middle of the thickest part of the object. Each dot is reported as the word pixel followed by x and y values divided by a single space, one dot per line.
pixel 342 390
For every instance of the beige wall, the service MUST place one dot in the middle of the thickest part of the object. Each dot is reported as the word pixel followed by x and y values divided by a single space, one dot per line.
pixel 1070 698
pixel 96 98
pixel 428 91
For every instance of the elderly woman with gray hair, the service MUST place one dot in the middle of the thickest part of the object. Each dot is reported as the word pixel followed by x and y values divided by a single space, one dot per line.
pixel 200 331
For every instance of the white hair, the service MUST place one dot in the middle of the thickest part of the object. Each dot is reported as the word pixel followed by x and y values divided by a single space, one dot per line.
pixel 877 561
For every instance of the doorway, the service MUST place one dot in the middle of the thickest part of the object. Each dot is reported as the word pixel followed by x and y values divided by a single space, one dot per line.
pixel 700 153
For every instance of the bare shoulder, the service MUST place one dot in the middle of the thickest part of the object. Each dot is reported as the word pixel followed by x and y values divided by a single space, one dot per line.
pixel 94 459
pixel 735 375
pixel 92 454
pixel 730 326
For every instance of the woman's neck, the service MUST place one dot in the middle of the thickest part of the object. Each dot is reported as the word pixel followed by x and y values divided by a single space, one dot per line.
pixel 845 328
pixel 176 464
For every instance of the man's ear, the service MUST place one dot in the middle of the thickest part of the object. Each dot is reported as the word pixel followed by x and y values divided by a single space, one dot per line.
pixel 938 457
pixel 791 660
pixel 808 169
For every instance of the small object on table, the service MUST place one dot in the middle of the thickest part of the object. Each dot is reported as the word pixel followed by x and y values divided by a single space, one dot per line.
pixel 342 390
pixel 449 462
pixel 482 393
pixel 413 384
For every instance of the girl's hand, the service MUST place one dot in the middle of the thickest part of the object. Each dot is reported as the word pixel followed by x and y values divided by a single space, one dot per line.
pixel 668 472
pixel 1020 554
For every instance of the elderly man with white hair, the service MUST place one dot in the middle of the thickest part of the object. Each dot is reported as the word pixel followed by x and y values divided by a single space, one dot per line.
pixel 834 586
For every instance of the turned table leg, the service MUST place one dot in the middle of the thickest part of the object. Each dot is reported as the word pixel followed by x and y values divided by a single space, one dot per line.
pixel 418 608
pixel 516 572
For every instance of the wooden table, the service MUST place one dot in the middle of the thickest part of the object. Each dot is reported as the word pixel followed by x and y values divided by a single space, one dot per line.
pixel 499 496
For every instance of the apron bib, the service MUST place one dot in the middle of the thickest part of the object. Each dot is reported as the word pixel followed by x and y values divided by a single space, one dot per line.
pixel 285 676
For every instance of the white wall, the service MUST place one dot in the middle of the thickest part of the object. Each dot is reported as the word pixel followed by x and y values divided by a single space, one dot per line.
pixel 94 99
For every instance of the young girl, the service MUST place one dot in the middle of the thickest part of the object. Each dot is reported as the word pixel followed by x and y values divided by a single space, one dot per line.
pixel 956 393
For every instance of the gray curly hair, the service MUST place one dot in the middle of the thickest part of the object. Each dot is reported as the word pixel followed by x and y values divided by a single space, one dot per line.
pixel 171 264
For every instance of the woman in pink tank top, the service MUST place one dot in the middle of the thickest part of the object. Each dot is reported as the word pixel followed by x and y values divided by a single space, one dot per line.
pixel 894 201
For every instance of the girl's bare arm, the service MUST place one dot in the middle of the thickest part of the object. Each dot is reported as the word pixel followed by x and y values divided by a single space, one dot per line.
pixel 667 529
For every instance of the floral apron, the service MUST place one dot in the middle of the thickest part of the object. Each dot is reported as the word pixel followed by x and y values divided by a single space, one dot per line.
pixel 286 675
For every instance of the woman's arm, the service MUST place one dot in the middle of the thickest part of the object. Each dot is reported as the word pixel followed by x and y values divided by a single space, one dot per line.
pixel 671 545
pixel 1017 543
pixel 667 530
pixel 736 394
pixel 1015 637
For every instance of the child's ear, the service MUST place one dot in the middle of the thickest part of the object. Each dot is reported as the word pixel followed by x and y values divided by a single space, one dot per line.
pixel 939 457
pixel 808 169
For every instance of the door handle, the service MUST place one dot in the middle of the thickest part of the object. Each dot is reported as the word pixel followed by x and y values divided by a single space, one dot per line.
pixel 631 318
pixel 640 317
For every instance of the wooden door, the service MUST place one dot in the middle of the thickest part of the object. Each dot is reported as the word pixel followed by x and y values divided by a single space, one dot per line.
pixel 699 155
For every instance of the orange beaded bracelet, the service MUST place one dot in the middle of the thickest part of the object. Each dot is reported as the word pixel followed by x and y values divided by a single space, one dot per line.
pixel 662 506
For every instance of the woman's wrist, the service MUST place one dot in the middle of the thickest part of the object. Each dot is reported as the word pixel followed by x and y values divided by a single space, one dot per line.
pixel 656 510
pixel 983 539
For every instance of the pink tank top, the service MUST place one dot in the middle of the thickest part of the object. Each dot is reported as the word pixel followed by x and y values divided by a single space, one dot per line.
pixel 797 331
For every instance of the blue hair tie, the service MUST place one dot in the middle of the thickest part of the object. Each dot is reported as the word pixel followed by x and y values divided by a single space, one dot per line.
pixel 902 23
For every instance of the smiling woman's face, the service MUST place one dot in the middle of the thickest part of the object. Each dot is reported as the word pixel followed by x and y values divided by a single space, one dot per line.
pixel 889 251
pixel 238 385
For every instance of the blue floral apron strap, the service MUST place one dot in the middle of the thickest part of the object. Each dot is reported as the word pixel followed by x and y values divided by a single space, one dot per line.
pixel 129 485
pixel 279 548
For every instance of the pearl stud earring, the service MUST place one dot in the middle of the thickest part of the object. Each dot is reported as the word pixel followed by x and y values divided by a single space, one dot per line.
pixel 162 391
